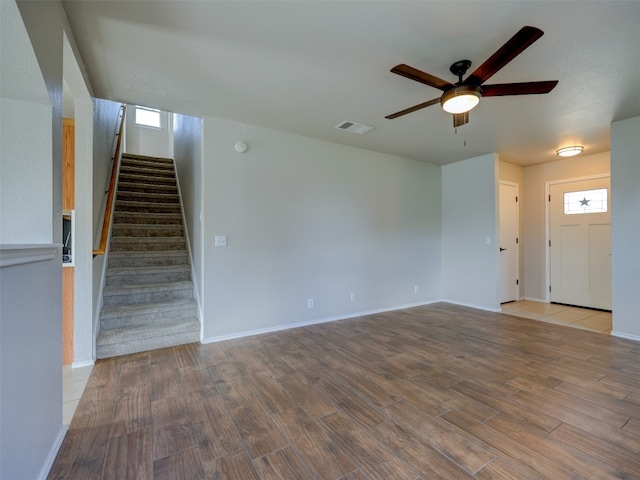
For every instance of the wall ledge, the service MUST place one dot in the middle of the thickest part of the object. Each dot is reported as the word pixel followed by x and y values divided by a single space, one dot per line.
pixel 20 254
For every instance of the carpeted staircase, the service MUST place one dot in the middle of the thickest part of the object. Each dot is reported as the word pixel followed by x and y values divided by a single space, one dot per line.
pixel 148 298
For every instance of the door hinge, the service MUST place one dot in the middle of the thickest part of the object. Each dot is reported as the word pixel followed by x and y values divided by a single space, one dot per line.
pixel 549 242
pixel 516 199
pixel 549 288
pixel 516 239
pixel 517 282
pixel 549 197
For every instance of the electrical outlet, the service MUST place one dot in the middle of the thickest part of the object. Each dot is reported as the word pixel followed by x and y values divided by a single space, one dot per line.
pixel 416 289
pixel 310 303
pixel 353 296
pixel 220 241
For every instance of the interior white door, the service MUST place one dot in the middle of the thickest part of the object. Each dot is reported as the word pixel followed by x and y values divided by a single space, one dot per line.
pixel 509 243
pixel 580 243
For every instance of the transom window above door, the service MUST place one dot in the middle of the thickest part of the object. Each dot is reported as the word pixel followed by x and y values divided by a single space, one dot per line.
pixel 586 201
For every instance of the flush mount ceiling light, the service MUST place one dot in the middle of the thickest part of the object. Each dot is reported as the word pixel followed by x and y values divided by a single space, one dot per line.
pixel 461 99
pixel 570 151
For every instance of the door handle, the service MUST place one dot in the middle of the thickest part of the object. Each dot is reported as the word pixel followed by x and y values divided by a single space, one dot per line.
pixel 502 249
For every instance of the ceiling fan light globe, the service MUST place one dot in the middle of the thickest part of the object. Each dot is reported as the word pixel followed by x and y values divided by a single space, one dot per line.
pixel 461 99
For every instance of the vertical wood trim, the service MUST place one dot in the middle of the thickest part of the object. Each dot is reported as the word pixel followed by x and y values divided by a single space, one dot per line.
pixel 67 315
pixel 68 203
pixel 68 164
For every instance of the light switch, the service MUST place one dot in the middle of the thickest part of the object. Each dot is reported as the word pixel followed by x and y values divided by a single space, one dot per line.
pixel 220 241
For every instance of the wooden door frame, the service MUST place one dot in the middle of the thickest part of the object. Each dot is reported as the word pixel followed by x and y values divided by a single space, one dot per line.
pixel 547 223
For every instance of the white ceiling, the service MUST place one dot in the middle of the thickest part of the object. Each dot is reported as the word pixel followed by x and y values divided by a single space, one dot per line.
pixel 305 66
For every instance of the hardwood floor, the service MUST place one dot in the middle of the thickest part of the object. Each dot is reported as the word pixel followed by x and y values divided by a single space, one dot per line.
pixel 435 392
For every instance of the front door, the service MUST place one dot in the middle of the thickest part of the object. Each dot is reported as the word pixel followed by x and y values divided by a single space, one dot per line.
pixel 580 243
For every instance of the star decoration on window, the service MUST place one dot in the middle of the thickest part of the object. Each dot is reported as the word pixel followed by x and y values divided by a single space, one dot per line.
pixel 584 202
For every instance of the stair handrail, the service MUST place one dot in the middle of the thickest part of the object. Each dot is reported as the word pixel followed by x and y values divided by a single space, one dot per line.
pixel 108 210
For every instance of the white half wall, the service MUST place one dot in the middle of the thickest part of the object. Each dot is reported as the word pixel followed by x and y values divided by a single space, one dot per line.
pixel 625 227
pixel 307 219
pixel 470 262
pixel 80 97
pixel 189 158
pixel 105 124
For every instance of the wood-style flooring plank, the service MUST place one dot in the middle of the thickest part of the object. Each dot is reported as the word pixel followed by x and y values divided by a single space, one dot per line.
pixel 184 464
pixel 282 464
pixel 322 456
pixel 234 466
pixel 426 460
pixel 468 454
pixel 373 459
pixel 438 391
pixel 129 456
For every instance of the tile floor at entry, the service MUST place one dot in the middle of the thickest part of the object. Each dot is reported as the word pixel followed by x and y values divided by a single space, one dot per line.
pixel 73 382
pixel 583 318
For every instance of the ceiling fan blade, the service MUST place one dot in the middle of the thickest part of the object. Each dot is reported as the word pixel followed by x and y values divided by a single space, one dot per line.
pixel 460 119
pixel 422 77
pixel 510 50
pixel 526 88
pixel 413 109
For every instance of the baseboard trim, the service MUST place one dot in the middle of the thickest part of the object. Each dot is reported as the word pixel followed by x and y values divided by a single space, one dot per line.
pixel 533 299
pixel 86 363
pixel 288 326
pixel 627 336
pixel 53 453
pixel 471 305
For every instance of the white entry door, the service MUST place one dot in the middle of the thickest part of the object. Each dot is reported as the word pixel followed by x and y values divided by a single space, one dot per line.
pixel 580 243
pixel 509 243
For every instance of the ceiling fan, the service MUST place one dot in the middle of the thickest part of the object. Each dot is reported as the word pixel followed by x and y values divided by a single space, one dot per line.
pixel 460 97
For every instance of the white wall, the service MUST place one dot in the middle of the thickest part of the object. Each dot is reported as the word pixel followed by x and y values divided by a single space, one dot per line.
pixel 189 167
pixel 534 202
pixel 24 166
pixel 311 219
pixel 105 124
pixel 625 227
pixel 470 266
pixel 30 289
pixel 148 141
pixel 77 97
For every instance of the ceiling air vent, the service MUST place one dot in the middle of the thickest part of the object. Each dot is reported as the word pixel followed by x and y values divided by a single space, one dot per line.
pixel 354 127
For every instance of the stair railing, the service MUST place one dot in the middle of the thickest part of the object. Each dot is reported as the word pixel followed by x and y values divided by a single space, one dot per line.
pixel 111 193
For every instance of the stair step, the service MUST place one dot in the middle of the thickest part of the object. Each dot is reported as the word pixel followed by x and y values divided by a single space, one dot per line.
pixel 135 294
pixel 118 316
pixel 146 230
pixel 146 207
pixel 119 244
pixel 154 172
pixel 126 340
pixel 148 197
pixel 147 218
pixel 138 178
pixel 133 156
pixel 148 300
pixel 147 188
pixel 151 258
pixel 146 163
pixel 147 275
